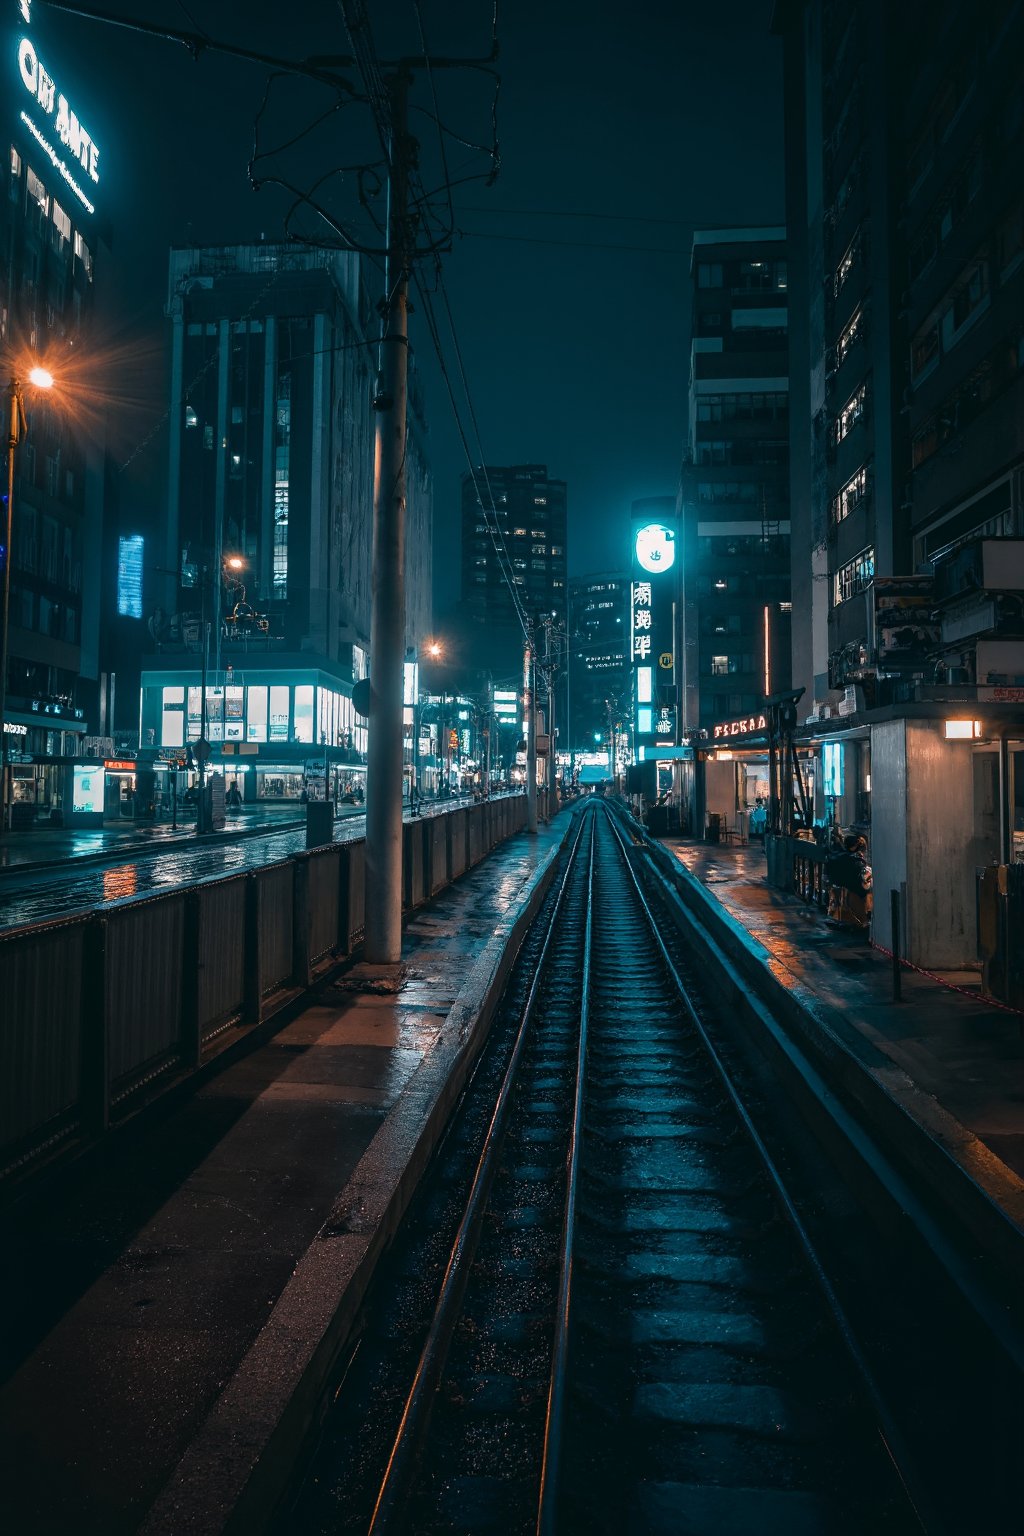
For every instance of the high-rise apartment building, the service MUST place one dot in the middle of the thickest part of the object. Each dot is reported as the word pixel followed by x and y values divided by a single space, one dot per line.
pixel 599 668
pixel 513 533
pixel 904 139
pixel 269 512
pixel 51 218
pixel 734 487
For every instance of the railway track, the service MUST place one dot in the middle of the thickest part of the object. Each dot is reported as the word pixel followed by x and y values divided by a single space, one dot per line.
pixel 632 1332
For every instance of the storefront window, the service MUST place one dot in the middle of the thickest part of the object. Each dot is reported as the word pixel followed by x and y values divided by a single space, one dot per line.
pixel 234 704
pixel 194 713
pixel 256 718
pixel 278 784
pixel 304 713
pixel 172 727
pixel 279 702
pixel 215 714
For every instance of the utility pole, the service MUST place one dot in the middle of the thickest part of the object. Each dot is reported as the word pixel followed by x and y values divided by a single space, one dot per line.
pixel 530 700
pixel 383 935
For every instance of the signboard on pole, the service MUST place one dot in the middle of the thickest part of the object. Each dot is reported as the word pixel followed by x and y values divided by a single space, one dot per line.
pixel 651 632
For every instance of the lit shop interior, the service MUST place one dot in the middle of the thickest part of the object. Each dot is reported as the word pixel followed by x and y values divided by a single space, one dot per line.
pixel 264 728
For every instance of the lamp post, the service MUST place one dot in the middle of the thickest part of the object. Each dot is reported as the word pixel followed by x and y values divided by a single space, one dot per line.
pixel 17 426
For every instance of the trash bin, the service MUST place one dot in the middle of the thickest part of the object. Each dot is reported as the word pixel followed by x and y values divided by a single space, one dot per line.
pixel 714 827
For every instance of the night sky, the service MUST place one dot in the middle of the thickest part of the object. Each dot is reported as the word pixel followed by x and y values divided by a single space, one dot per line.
pixel 620 126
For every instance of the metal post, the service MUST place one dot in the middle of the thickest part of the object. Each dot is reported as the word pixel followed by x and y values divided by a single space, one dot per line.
pixel 16 419
pixel 897 974
pixel 529 675
pixel 204 746
pixel 383 930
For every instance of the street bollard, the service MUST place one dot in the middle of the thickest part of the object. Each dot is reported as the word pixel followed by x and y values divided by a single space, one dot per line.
pixel 897 975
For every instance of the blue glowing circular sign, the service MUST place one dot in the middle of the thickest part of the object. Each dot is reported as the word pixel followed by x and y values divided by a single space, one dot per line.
pixel 655 547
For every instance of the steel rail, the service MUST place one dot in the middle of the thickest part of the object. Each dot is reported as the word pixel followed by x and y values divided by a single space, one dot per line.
pixel 892 1439
pixel 547 1504
pixel 390 1507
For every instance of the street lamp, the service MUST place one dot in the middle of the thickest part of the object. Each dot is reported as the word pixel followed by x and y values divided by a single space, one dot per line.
pixel 17 426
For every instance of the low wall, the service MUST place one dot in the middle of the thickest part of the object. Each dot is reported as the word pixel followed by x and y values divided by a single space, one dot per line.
pixel 104 1009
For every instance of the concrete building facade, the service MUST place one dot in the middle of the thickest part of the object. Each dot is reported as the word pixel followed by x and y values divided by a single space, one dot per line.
pixel 904 137
pixel 733 500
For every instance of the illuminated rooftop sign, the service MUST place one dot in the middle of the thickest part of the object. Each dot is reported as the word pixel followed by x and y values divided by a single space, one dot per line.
pixel 655 547
pixel 61 134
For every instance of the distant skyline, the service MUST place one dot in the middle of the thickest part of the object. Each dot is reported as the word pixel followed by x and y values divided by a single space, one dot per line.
pixel 568 279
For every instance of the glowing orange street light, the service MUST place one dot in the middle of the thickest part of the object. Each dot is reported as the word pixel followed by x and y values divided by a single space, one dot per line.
pixel 17 426
pixel 434 649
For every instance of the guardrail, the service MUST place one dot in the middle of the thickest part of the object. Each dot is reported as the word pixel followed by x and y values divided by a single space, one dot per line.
pixel 797 864
pixel 104 1009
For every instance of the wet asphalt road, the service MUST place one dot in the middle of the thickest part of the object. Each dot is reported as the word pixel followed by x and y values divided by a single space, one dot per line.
pixel 61 892
pixel 46 893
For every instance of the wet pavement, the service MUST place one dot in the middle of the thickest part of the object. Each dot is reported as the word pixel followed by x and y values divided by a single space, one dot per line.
pixel 957 1046
pixel 136 1292
pixel 32 896
pixel 47 846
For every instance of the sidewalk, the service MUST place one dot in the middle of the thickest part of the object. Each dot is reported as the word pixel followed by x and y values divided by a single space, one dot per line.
pixel 178 1308
pixel 954 1045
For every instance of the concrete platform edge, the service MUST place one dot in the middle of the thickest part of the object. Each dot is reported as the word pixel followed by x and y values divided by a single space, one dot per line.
pixel 237 1467
pixel 957 1169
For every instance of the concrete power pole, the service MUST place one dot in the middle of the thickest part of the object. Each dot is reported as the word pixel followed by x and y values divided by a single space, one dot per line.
pixel 383 934
pixel 530 690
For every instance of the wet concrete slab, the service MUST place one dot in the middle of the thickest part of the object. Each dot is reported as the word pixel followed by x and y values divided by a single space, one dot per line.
pixel 953 1044
pixel 215 1245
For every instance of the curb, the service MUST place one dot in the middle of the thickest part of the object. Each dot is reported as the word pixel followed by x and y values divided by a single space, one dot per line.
pixel 239 1465
pixel 928 1146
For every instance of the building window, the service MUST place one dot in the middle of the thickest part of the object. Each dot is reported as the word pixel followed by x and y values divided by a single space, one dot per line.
pixel 853 577
pixel 924 351
pixel 540 501
pixel 61 221
pixel 851 495
pixel 1010 242
pixel 851 413
pixel 969 298
pixel 719 666
pixel 37 192
pixel 538 533
pixel 538 549
pixel 709 274
pixel 853 332
pixel 849 259
pixel 519 533
pixel 15 162
pixel 84 255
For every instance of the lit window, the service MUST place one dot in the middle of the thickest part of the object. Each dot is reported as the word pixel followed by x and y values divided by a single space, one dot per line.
pixel 851 495
pixel 37 192
pixel 61 221
pixel 520 533
pixel 540 501
pixel 852 333
pixel 191 419
pixel 854 576
pixel 851 413
pixel 15 162
pixel 719 666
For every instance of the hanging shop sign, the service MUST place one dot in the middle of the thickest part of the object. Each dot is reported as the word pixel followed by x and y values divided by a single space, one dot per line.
pixel 751 725
pixel 651 626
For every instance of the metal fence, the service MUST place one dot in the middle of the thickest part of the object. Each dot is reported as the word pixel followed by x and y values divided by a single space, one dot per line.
pixel 98 1011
